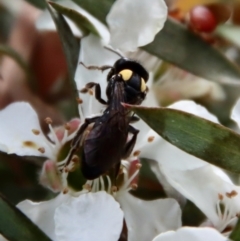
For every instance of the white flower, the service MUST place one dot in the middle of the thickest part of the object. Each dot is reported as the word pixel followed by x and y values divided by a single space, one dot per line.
pixel 193 234
pixel 208 187
pixel 126 18
pixel 21 133
pixel 91 216
pixel 155 216
pixel 23 136
pixel 212 193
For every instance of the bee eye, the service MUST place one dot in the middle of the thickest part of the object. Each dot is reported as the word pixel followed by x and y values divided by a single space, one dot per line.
pixel 126 74
pixel 143 85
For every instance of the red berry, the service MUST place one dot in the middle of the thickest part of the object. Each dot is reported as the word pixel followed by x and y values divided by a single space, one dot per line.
pixel 202 19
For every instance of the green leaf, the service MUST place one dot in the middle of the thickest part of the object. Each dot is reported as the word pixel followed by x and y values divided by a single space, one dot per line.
pixel 70 43
pixel 37 3
pixel 235 235
pixel 80 20
pixel 71 48
pixel 99 9
pixel 177 45
pixel 191 215
pixel 206 140
pixel 15 226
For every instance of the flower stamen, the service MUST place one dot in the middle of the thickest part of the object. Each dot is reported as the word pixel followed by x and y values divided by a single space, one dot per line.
pixel 79 100
pixel 109 184
pixel 55 139
pixel 87 187
pixel 136 153
pixel 151 138
pixel 65 190
pixel 102 183
pixel 225 210
pixel 127 183
pixel 35 132
pixel 65 136
pixel 41 149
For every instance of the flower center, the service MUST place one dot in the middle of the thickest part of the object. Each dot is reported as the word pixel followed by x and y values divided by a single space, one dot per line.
pixel 226 211
pixel 128 174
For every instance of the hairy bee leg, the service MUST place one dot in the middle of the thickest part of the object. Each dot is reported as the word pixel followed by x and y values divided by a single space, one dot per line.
pixel 130 144
pixel 77 139
pixel 93 67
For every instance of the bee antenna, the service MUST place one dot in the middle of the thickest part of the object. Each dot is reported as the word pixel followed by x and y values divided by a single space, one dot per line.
pixel 114 51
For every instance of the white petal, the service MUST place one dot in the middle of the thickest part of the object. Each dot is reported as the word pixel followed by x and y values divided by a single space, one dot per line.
pixel 135 23
pixel 195 109
pixel 146 219
pixel 236 113
pixel 168 188
pixel 193 234
pixel 45 21
pixel 42 213
pixel 151 100
pixel 2 238
pixel 93 53
pixel 17 121
pixel 90 217
pixel 202 186
pixel 167 155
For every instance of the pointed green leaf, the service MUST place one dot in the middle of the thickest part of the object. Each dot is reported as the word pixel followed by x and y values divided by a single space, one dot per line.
pixel 15 226
pixel 80 20
pixel 38 3
pixel 206 140
pixel 71 48
pixel 188 219
pixel 235 235
pixel 99 9
pixel 70 43
pixel 177 45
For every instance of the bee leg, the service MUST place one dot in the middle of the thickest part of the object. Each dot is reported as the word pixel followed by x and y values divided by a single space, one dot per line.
pixel 97 91
pixel 78 137
pixel 93 67
pixel 98 94
pixel 130 144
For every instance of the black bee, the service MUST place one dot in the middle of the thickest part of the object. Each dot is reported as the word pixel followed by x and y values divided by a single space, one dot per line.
pixel 106 142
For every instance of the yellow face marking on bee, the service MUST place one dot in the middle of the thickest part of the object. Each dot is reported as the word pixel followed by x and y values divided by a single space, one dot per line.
pixel 143 85
pixel 126 74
